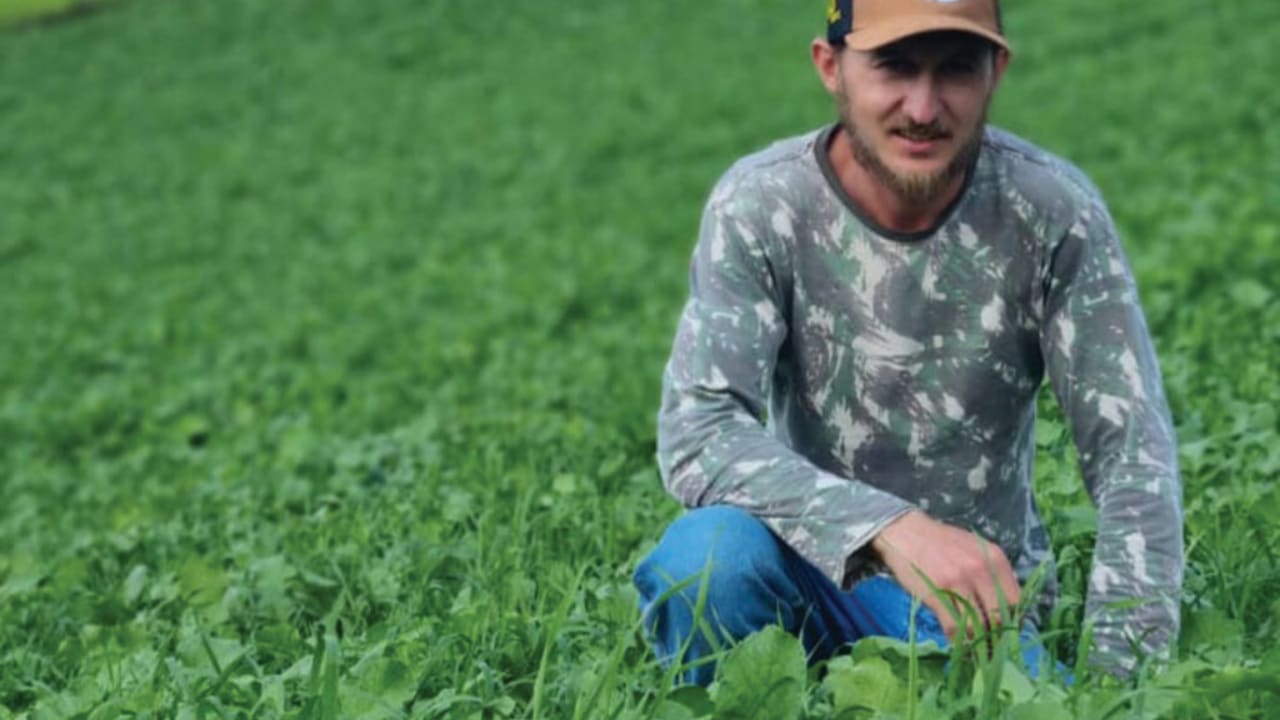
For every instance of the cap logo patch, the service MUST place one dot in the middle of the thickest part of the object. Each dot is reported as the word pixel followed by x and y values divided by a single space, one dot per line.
pixel 833 12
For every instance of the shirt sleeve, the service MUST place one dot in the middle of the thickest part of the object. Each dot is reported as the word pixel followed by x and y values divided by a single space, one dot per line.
pixel 1103 369
pixel 713 445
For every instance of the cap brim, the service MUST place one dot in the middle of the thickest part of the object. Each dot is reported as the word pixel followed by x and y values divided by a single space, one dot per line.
pixel 894 30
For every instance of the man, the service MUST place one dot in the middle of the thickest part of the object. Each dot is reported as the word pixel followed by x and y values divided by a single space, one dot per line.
pixel 850 400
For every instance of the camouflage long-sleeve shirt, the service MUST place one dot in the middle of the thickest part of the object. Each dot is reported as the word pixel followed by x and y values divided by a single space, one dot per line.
pixel 829 375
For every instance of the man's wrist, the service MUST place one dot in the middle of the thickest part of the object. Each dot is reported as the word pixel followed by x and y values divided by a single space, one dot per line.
pixel 884 540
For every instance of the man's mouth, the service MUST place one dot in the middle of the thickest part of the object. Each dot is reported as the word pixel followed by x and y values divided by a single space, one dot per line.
pixel 920 141
pixel 921 135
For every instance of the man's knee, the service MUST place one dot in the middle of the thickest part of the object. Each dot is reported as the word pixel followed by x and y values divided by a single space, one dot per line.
pixel 725 545
pixel 730 561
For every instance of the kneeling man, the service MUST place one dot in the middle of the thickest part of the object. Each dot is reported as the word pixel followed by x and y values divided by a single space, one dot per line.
pixel 850 400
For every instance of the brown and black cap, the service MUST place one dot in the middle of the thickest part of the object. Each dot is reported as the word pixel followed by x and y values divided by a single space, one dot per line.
pixel 869 24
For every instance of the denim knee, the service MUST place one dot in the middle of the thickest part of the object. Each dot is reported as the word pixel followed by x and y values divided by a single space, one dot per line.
pixel 744 564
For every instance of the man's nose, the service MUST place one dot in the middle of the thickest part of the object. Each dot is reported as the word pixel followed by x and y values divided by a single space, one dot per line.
pixel 923 102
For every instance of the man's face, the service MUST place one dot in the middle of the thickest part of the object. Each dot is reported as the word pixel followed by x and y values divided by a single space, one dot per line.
pixel 914 110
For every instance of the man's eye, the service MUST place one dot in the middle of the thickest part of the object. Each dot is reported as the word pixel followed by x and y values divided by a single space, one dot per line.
pixel 960 67
pixel 896 66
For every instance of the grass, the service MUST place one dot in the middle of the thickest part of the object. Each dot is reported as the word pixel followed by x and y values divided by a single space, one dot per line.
pixel 18 12
pixel 332 337
pixel 14 10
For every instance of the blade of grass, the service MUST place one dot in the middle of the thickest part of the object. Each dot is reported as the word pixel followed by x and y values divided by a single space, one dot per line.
pixel 913 662
pixel 329 706
pixel 553 628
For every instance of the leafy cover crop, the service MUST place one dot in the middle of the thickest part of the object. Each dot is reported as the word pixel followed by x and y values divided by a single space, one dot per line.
pixel 331 336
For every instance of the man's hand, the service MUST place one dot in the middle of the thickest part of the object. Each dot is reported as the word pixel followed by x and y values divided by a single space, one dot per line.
pixel 954 560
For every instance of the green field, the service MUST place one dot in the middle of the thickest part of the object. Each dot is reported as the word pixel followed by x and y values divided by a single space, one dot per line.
pixel 19 12
pixel 331 336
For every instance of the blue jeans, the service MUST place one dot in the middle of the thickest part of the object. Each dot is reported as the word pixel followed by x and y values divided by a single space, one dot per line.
pixel 755 580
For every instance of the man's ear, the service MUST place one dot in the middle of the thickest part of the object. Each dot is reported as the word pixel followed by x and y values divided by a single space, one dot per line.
pixel 826 61
pixel 1000 62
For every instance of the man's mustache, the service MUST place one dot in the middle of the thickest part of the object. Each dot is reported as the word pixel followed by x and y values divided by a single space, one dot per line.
pixel 925 132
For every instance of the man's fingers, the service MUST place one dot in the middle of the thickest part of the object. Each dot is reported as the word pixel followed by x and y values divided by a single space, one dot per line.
pixel 988 603
pixel 989 596
pixel 1012 592
pixel 1008 586
pixel 974 609
pixel 945 618
pixel 960 611
pixel 996 586
pixel 961 577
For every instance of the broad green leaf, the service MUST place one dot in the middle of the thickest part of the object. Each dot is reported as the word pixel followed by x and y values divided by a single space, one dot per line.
pixel 1014 683
pixel 445 704
pixel 930 658
pixel 300 669
pixel 1239 679
pixel 1210 627
pixel 135 669
pixel 868 683
pixel 76 701
pixel 389 680
pixel 671 710
pixel 1048 432
pixel 68 574
pixel 112 709
pixel 273 694
pixel 612 464
pixel 1184 673
pixel 134 584
pixel 564 484
pixel 200 582
pixel 503 706
pixel 761 678
pixel 694 700
pixel 358 704
pixel 1077 521
pixel 1250 294
pixel 458 504
pixel 210 655
pixel 1101 702
pixel 887 647
pixel 1157 702
pixel 271 577
pixel 1039 710
pixel 23 575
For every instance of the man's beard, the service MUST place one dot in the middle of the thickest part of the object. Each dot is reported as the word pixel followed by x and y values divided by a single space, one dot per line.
pixel 916 189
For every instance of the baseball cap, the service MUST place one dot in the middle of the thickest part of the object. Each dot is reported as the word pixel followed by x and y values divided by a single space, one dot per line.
pixel 869 24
